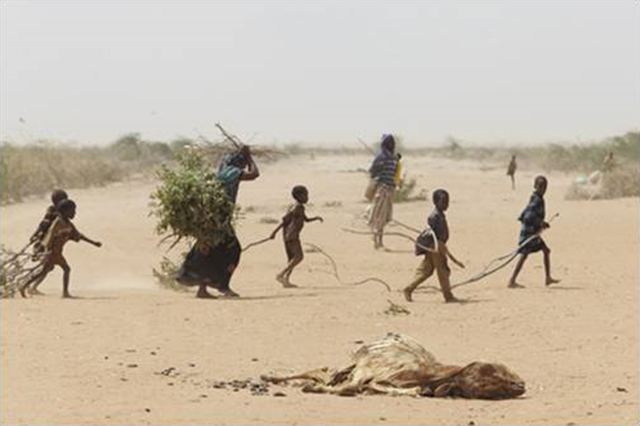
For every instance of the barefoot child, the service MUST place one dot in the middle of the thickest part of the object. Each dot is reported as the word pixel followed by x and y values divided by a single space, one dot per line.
pixel 292 224
pixel 60 231
pixel 435 259
pixel 49 216
pixel 533 223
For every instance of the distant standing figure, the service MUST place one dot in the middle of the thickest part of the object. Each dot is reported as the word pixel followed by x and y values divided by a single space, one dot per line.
pixel 383 171
pixel 292 224
pixel 511 171
pixel 608 163
pixel 533 223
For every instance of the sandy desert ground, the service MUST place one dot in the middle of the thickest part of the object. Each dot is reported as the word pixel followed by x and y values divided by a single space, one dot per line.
pixel 97 359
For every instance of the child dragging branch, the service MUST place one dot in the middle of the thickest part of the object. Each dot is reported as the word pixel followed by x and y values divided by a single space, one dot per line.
pixel 292 224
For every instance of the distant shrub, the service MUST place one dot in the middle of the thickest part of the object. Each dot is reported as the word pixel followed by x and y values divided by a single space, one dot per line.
pixel 404 192
pixel 622 182
pixel 131 148
pixel 564 157
pixel 39 168
pixel 267 220
pixel 626 146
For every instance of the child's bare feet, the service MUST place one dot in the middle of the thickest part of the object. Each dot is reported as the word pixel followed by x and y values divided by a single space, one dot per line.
pixel 67 295
pixel 282 280
pixel 551 281
pixel 453 299
pixel 407 295
pixel 513 284
pixel 287 284
pixel 35 292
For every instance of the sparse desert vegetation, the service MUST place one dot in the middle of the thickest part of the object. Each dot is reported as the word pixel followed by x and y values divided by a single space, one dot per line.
pixel 37 168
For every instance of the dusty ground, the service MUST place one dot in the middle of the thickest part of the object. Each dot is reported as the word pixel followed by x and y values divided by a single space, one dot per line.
pixel 96 360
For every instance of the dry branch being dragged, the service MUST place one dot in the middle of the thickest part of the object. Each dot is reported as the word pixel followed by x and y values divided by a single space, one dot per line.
pixel 393 234
pixel 257 243
pixel 492 267
pixel 312 248
pixel 18 268
pixel 398 365
pixel 336 274
pixel 501 261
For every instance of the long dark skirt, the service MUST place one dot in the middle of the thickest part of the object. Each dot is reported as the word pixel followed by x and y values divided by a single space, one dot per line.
pixel 213 266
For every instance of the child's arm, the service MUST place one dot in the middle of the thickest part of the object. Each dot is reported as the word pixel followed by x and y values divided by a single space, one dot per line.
pixel 313 219
pixel 454 260
pixel 450 255
pixel 77 236
pixel 286 218
pixel 547 225
pixel 275 231
pixel 90 241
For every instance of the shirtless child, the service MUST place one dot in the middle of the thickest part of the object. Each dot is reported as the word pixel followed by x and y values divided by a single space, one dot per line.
pixel 59 232
pixel 292 224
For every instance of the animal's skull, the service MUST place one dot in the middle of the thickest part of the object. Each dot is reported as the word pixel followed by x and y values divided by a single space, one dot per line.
pixel 488 381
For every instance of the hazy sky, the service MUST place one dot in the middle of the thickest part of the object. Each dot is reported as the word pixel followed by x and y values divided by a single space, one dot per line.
pixel 318 72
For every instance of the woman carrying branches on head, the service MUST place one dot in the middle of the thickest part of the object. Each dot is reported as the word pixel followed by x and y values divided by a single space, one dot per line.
pixel 213 265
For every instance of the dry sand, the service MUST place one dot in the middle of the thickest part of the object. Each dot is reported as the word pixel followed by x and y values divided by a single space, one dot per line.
pixel 575 344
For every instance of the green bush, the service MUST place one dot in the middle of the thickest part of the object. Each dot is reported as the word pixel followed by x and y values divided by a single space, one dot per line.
pixel 190 202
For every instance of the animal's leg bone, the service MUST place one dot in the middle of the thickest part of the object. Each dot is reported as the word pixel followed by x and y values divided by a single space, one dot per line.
pixel 318 376
pixel 345 389
pixel 393 391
